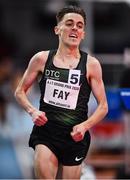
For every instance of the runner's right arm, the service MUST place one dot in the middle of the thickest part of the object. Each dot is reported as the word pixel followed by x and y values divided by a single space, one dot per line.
pixel 35 67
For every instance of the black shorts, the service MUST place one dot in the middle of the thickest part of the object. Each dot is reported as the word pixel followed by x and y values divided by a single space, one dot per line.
pixel 58 139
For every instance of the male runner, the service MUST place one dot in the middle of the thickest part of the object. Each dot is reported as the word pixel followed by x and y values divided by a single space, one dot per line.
pixel 66 77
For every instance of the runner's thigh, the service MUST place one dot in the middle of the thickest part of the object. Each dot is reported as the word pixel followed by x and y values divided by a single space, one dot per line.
pixel 71 172
pixel 45 162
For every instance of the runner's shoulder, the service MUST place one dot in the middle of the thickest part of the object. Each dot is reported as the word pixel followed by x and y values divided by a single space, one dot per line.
pixel 41 57
pixel 93 63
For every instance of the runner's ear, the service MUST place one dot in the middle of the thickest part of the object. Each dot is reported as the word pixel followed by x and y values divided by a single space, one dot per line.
pixel 83 34
pixel 56 29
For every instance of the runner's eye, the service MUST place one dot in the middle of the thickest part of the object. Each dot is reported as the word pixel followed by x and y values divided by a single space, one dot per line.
pixel 80 26
pixel 69 24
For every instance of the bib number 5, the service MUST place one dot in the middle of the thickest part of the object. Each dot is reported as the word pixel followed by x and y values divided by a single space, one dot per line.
pixel 74 77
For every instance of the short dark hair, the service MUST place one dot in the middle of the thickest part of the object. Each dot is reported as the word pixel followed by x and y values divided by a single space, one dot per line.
pixel 70 9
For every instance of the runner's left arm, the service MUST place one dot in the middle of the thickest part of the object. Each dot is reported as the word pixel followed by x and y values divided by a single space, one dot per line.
pixel 94 77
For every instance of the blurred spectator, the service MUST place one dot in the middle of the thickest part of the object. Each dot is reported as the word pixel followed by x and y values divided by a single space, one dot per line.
pixel 124 171
pixel 5 68
pixel 2 114
pixel 125 80
pixel 15 126
pixel 9 167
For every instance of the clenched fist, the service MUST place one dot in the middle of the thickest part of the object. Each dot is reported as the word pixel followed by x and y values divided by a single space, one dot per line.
pixel 39 118
pixel 78 132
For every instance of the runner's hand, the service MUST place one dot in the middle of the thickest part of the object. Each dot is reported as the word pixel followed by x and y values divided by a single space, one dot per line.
pixel 78 132
pixel 39 118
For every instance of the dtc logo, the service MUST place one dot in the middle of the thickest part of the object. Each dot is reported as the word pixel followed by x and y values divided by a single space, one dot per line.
pixel 52 73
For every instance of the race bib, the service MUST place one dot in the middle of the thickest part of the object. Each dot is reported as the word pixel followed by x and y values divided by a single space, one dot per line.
pixel 61 94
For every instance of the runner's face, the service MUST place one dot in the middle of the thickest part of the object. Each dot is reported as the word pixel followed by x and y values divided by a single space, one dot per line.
pixel 71 29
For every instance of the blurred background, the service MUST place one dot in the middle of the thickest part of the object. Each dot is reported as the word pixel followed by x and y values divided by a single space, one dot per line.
pixel 26 27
